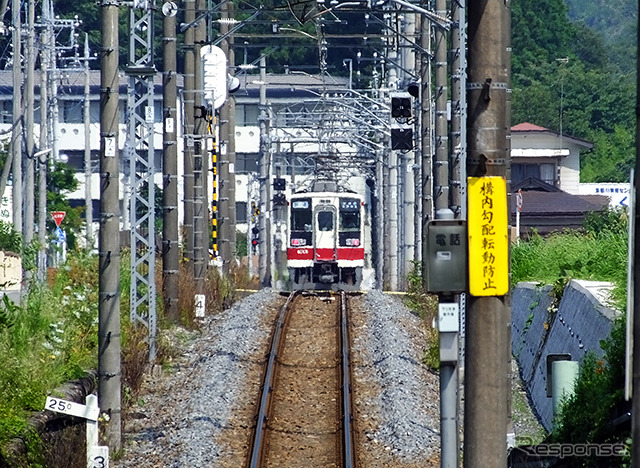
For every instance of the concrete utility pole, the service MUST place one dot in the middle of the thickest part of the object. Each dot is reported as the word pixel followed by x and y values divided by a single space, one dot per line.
pixel 227 160
pixel 426 134
pixel 88 198
pixel 206 125
pixel 170 245
pixel 457 193
pixel 387 271
pixel 488 317
pixel 46 58
pixel 264 223
pixel 441 163
pixel 16 134
pixel 109 374
pixel 29 175
pixel 392 196
pixel 408 172
pixel 448 369
pixel 188 151
pixel 200 227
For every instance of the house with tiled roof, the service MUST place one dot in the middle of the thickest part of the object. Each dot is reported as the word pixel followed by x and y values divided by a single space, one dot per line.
pixel 545 170
pixel 547 155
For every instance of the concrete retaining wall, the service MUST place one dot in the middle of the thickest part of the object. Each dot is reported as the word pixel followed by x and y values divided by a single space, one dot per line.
pixel 540 327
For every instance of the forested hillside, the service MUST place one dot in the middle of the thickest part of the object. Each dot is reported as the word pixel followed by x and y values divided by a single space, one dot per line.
pixel 616 21
pixel 564 77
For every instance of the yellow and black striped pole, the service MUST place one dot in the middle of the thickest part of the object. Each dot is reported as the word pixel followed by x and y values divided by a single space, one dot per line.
pixel 214 203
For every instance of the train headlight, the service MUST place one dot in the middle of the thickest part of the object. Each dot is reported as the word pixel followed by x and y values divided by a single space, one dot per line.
pixel 353 242
pixel 298 242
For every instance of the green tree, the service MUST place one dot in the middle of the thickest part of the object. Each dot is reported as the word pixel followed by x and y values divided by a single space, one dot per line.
pixel 612 157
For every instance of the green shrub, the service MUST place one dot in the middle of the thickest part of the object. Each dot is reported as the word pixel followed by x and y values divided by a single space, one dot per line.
pixel 10 239
pixel 426 306
pixel 587 417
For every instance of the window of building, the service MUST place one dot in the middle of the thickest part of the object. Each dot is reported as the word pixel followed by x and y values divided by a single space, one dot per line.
pixel 7 111
pixel 545 172
pixel 72 111
pixel 247 114
pixel 247 162
pixel 241 212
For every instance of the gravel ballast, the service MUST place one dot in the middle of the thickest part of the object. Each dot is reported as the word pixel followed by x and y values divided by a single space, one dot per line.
pixel 199 413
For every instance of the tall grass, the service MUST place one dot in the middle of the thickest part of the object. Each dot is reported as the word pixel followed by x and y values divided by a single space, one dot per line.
pixel 51 337
pixel 48 339
pixel 598 256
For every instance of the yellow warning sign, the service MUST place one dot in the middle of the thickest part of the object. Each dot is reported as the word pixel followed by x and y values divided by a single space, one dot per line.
pixel 488 236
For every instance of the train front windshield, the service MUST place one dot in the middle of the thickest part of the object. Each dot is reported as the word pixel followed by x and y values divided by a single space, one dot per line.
pixel 349 215
pixel 301 215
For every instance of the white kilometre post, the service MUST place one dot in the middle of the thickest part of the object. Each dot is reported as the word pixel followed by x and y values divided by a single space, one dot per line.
pixel 97 456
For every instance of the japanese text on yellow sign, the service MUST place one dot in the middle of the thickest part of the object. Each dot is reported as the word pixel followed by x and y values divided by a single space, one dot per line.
pixel 488 236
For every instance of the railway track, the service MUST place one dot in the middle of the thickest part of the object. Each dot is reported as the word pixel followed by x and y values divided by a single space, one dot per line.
pixel 304 417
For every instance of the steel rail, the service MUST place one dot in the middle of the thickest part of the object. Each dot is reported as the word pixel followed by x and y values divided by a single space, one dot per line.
pixel 347 445
pixel 347 442
pixel 265 397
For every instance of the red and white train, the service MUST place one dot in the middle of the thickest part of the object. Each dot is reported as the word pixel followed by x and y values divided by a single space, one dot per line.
pixel 325 240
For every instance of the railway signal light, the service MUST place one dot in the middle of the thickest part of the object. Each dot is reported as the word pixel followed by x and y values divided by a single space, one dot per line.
pixel 255 239
pixel 400 107
pixel 279 184
pixel 401 139
pixel 279 199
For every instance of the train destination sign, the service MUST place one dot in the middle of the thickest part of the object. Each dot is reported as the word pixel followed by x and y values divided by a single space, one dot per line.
pixel 488 236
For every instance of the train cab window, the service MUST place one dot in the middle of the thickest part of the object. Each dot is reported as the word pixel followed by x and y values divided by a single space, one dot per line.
pixel 301 220
pixel 325 221
pixel 349 214
pixel 301 215
pixel 349 221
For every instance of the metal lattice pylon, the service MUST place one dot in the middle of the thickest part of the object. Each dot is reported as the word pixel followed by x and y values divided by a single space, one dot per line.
pixel 140 112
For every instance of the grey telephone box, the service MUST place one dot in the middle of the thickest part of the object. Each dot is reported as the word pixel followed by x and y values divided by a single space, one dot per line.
pixel 447 256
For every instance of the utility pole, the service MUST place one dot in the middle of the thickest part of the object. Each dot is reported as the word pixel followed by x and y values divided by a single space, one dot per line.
pixel 227 220
pixel 199 150
pixel 441 163
pixel 207 127
pixel 448 367
pixel 188 151
pixel 109 374
pixel 408 172
pixel 392 198
pixel 16 134
pixel 488 317
pixel 46 57
pixel 378 220
pixel 426 134
pixel 458 109
pixel 264 246
pixel 170 245
pixel 29 176
pixel 88 198
pixel 387 271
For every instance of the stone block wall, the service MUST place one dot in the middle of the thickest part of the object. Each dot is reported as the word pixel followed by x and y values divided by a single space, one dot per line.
pixel 541 327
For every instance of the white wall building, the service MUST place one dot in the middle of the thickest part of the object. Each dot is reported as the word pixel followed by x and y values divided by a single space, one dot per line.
pixel 546 155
